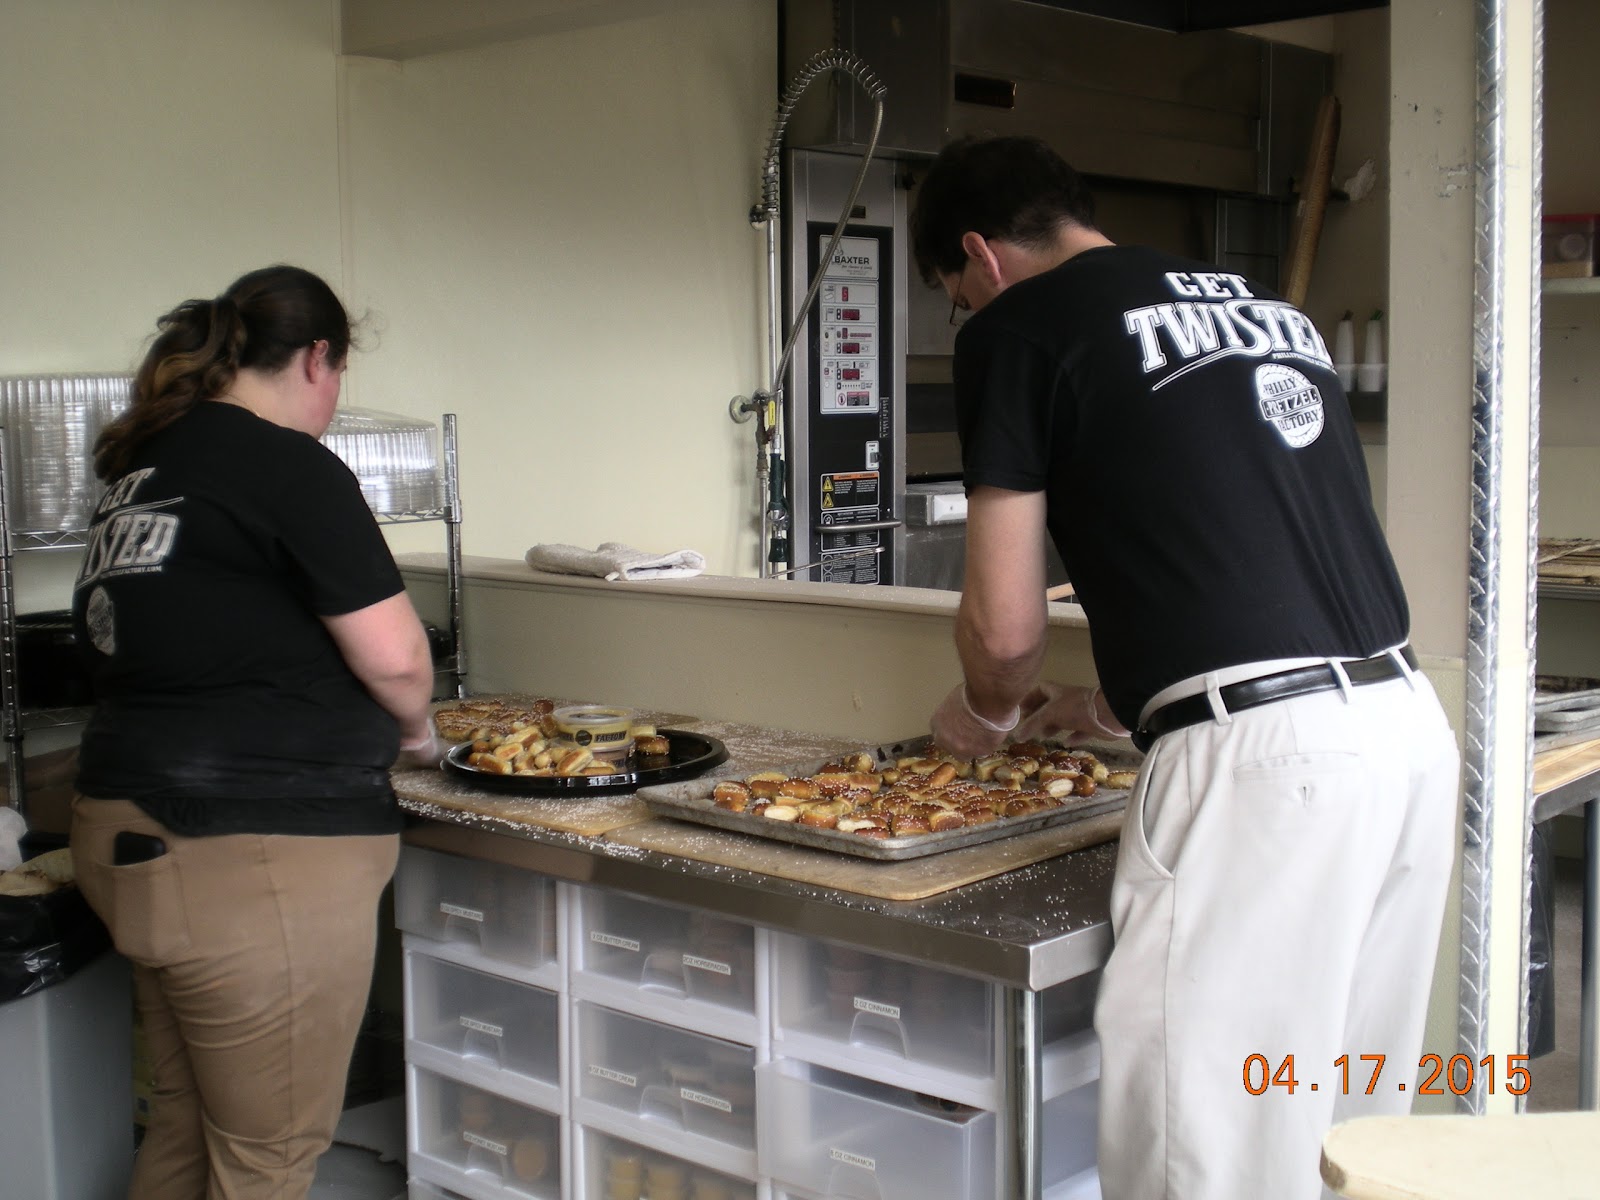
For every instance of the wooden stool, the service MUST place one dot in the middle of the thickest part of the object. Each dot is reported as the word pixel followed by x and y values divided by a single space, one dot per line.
pixel 1547 1156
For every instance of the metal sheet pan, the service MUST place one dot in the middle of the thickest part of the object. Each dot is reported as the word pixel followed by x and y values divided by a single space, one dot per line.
pixel 692 801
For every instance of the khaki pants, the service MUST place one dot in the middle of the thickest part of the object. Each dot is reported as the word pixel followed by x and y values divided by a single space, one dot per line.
pixel 252 961
pixel 1277 904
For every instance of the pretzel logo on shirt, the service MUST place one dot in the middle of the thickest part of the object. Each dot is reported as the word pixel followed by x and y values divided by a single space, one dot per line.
pixel 1291 402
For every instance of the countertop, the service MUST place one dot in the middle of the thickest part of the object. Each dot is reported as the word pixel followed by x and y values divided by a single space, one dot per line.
pixel 1029 928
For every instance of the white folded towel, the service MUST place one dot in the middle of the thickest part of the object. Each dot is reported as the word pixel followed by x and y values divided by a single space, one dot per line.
pixel 613 560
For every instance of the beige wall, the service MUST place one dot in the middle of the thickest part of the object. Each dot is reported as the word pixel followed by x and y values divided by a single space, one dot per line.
pixel 825 658
pixel 552 237
pixel 153 152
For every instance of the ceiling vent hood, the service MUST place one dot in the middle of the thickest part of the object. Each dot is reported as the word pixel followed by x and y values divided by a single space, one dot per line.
pixel 1218 110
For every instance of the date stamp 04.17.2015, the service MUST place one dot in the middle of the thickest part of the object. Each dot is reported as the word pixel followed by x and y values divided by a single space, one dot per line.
pixel 1363 1075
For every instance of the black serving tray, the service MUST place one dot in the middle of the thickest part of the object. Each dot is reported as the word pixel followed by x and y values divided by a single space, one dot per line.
pixel 688 755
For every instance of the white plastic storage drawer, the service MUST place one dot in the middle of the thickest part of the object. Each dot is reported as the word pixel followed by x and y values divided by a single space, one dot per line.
pixel 615 1169
pixel 667 951
pixel 870 1007
pixel 1068 1130
pixel 494 1145
pixel 507 913
pixel 483 1020
pixel 838 1136
pixel 655 1074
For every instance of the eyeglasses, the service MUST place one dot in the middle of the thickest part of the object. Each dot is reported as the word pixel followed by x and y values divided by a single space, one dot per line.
pixel 956 303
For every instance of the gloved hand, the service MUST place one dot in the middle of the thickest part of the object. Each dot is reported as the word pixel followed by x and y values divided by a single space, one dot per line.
pixel 1081 712
pixel 962 732
pixel 423 753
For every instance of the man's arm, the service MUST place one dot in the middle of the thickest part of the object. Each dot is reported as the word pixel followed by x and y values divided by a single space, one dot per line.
pixel 1000 625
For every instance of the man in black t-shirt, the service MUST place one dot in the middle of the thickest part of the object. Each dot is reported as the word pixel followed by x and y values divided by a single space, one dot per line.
pixel 1181 434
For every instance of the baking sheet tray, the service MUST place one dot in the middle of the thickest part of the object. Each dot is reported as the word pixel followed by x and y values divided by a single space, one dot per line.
pixel 692 801
pixel 1565 704
pixel 689 755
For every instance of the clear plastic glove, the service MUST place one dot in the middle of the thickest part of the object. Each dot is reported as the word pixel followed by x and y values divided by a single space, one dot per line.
pixel 1078 712
pixel 962 732
pixel 422 754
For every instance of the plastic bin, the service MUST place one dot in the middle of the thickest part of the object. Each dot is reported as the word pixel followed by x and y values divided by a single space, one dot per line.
pixel 67 1076
pixel 481 1020
pixel 616 1169
pixel 655 1074
pixel 872 1008
pixel 495 1145
pixel 666 952
pixel 828 1134
pixel 506 913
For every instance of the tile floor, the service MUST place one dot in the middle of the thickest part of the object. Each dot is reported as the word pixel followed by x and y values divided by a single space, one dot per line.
pixel 366 1161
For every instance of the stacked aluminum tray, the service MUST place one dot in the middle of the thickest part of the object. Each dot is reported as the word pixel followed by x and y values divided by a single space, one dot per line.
pixel 394 457
pixel 51 423
pixel 1566 705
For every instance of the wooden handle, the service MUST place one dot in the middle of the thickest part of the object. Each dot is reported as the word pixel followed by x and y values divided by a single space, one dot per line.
pixel 1315 181
pixel 1060 592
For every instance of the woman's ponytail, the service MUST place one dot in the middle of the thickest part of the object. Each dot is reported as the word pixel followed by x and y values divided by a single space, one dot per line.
pixel 259 323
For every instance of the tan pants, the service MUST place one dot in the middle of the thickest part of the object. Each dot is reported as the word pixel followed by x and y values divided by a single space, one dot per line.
pixel 252 961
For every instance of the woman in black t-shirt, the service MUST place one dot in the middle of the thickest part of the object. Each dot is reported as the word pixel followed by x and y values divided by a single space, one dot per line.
pixel 258 667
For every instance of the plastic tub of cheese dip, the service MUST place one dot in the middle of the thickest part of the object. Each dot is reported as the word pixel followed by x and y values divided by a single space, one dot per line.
pixel 604 730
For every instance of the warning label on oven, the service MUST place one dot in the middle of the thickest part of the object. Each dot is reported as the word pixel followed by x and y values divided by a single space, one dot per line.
pixel 849 498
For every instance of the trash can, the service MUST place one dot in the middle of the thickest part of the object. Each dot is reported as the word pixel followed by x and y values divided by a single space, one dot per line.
pixel 66 1038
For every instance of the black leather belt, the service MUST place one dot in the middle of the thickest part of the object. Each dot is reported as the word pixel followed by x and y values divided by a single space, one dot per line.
pixel 1253 693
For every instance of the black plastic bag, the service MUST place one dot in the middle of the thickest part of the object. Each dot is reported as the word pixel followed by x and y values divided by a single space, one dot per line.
pixel 45 939
pixel 1541 938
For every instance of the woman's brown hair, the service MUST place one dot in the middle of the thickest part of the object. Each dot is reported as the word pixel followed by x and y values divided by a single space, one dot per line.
pixel 260 322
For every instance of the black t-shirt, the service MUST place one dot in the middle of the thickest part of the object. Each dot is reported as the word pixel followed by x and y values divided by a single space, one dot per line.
pixel 223 705
pixel 1206 487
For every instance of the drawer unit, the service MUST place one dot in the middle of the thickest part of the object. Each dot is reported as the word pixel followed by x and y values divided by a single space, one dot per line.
pixel 501 1034
pixel 907 1024
pixel 688 967
pixel 467 1139
pixel 639 1074
pixel 617 1169
pixel 503 912
pixel 828 1134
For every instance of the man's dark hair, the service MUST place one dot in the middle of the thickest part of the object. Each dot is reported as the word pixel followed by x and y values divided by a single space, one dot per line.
pixel 1013 188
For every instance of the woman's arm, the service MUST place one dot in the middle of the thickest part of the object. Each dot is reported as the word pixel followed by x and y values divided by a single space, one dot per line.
pixel 386 648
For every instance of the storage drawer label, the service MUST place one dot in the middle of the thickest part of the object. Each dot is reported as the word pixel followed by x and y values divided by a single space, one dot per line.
pixel 892 1011
pixel 707 964
pixel 456 910
pixel 621 1077
pixel 716 1102
pixel 499 1148
pixel 853 1160
pixel 611 939
pixel 482 1027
